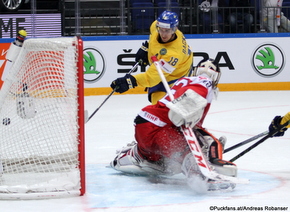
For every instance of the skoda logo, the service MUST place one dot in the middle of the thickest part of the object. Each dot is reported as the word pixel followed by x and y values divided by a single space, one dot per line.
pixel 94 65
pixel 268 60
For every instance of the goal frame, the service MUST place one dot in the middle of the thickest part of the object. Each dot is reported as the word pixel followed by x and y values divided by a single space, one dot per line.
pixel 81 115
pixel 80 137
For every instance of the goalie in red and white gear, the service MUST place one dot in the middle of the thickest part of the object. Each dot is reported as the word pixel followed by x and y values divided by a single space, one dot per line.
pixel 160 147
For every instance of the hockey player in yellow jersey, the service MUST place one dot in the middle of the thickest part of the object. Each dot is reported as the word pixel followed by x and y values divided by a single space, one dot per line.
pixel 174 54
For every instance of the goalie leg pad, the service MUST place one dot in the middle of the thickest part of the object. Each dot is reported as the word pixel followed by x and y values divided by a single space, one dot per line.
pixel 195 179
pixel 129 161
pixel 201 184
pixel 189 167
pixel 224 167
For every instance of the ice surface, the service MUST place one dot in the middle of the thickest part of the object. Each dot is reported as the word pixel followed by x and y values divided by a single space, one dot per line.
pixel 237 115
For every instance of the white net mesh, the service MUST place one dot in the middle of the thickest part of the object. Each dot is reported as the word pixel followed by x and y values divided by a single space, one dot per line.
pixel 39 120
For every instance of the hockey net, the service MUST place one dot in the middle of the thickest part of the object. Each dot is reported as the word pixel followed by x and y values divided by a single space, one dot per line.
pixel 42 121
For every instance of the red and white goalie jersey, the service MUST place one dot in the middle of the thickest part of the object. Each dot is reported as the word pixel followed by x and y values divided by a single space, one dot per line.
pixel 158 114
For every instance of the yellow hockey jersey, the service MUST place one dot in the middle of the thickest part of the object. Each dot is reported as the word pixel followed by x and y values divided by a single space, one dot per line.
pixel 175 59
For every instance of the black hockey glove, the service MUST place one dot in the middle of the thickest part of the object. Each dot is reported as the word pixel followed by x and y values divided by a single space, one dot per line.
pixel 142 54
pixel 275 125
pixel 123 84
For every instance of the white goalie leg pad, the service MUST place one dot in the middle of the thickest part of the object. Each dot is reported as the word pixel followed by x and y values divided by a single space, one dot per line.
pixel 225 167
pixel 195 179
pixel 187 109
pixel 201 184
pixel 189 166
pixel 129 161
pixel 25 106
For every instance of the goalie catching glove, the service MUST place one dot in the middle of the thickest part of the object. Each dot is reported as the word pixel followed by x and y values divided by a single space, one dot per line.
pixel 187 109
pixel 123 84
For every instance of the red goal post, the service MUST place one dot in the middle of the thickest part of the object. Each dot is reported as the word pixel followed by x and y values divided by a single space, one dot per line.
pixel 42 152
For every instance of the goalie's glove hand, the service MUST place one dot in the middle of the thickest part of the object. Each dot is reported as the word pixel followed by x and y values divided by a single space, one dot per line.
pixel 275 125
pixel 187 109
pixel 123 84
pixel 142 55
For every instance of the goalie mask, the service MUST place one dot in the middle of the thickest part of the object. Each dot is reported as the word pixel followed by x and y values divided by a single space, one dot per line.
pixel 209 68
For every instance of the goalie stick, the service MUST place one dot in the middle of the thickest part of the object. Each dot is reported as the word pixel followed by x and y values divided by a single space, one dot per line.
pixel 193 144
pixel 87 119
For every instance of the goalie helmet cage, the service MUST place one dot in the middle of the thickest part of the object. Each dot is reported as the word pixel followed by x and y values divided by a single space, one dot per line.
pixel 42 121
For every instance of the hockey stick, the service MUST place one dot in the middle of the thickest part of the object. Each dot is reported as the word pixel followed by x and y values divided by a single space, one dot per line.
pixel 246 141
pixel 192 142
pixel 187 131
pixel 260 141
pixel 132 69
